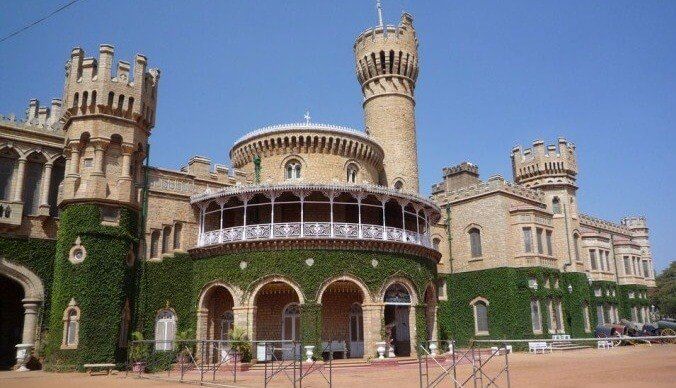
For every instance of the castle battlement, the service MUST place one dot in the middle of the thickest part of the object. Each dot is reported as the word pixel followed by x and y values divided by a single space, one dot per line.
pixel 462 167
pixel 493 184
pixel 542 165
pixel 91 87
pixel 635 222
pixel 37 117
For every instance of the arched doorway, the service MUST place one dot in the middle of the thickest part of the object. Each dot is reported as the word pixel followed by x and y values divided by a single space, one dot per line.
pixel 397 301
pixel 277 318
pixel 342 318
pixel 218 321
pixel 11 320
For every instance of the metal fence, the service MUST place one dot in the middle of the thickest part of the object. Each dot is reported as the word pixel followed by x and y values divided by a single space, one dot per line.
pixel 485 363
pixel 445 363
pixel 223 362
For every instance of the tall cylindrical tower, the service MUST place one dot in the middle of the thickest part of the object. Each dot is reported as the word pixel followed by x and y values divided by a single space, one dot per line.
pixel 387 68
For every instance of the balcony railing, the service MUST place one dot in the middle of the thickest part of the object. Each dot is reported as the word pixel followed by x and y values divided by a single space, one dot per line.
pixel 338 230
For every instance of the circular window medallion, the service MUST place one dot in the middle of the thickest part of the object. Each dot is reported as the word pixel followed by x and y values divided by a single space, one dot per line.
pixel 242 265
pixel 77 253
pixel 374 263
pixel 310 262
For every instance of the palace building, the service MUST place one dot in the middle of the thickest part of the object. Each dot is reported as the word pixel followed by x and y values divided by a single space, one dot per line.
pixel 313 233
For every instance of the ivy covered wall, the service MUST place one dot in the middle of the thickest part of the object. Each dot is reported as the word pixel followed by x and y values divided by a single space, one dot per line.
pixel 38 256
pixel 100 285
pixel 169 283
pixel 509 295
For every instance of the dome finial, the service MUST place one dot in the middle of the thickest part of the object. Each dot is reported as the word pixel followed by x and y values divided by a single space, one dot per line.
pixel 307 116
pixel 380 13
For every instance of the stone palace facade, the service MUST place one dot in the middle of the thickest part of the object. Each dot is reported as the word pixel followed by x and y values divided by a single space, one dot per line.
pixel 315 233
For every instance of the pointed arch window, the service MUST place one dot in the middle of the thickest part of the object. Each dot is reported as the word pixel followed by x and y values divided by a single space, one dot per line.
pixel 556 205
pixel 352 171
pixel 480 307
pixel 71 326
pixel 475 242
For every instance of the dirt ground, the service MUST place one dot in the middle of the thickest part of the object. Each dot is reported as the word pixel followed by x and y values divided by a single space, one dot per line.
pixel 637 366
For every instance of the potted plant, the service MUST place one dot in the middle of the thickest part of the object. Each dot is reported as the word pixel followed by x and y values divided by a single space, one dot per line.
pixel 240 344
pixel 138 353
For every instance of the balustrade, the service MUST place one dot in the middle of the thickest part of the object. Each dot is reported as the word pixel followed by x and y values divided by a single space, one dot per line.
pixel 341 230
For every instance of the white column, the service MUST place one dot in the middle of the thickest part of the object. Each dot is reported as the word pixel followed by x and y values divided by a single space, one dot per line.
pixel 302 215
pixel 46 181
pixel 384 227
pixel 417 225
pixel 30 320
pixel 200 235
pixel 220 233
pixel 331 202
pixel 246 202
pixel 359 214
pixel 403 222
pixel 272 216
pixel 18 190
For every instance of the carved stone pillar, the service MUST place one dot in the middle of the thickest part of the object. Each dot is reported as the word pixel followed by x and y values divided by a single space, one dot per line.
pixel 18 188
pixel 74 158
pixel 125 192
pixel 43 210
pixel 99 150
pixel 30 320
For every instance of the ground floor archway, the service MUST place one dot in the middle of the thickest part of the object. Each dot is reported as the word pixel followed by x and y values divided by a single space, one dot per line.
pixel 11 320
pixel 398 319
pixel 343 319
pixel 277 309
pixel 217 321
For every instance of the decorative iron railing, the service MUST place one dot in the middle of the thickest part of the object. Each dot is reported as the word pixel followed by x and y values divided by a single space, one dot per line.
pixel 338 230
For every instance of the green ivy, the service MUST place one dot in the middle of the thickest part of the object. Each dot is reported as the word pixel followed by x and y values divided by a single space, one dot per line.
pixel 100 285
pixel 38 256
pixel 177 282
pixel 509 295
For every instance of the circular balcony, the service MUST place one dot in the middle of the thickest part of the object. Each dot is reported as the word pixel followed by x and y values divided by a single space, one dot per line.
pixel 291 215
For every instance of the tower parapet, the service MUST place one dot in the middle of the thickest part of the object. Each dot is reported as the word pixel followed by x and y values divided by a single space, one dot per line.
pixel 387 69
pixel 541 165
pixel 92 89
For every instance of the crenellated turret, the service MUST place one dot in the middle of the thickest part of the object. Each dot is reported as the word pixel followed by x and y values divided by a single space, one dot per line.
pixel 107 118
pixel 541 166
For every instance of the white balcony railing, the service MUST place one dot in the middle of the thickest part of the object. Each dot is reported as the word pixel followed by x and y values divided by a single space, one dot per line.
pixel 340 230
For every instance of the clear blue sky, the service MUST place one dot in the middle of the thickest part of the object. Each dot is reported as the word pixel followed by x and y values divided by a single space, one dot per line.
pixel 493 75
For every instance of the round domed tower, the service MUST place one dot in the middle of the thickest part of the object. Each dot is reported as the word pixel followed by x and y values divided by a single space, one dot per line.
pixel 387 68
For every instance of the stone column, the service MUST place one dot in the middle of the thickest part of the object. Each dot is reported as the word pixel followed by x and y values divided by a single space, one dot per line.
pixel 99 148
pixel 30 319
pixel 125 191
pixel 18 188
pixel 201 332
pixel 372 316
pixel 126 160
pixel 43 209
pixel 74 159
pixel 413 329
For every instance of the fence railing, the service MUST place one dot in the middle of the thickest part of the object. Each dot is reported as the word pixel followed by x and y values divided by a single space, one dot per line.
pixel 221 362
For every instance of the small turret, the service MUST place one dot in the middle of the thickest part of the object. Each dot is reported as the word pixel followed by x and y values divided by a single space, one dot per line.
pixel 545 165
pixel 464 174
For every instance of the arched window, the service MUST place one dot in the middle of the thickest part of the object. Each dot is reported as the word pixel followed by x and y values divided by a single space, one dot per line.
pixel 177 236
pixel 166 234
pixel 292 169
pixel 480 307
pixel 8 162
pixel 227 324
pixel 576 245
pixel 556 205
pixel 76 100
pixel 352 171
pixel 585 314
pixel 71 326
pixel 535 316
pixel 33 184
pixel 356 330
pixel 291 322
pixel 154 243
pixel 111 97
pixel 398 185
pixel 435 243
pixel 475 242
pixel 165 330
